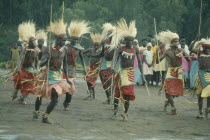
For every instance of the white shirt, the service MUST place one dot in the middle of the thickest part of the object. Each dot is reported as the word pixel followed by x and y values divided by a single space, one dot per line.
pixel 186 49
pixel 148 56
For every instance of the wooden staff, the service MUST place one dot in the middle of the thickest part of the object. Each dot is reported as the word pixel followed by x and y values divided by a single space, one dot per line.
pixel 199 27
pixel 144 78
pixel 155 27
pixel 158 57
pixel 63 11
pixel 48 63
pixel 200 19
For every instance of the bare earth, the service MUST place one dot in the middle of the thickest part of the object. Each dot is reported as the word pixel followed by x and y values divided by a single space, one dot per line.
pixel 90 119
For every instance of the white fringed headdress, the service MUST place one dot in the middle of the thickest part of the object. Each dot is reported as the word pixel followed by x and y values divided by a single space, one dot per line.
pixel 58 28
pixel 203 42
pixel 96 38
pixel 41 34
pixel 77 28
pixel 124 31
pixel 108 30
pixel 26 30
pixel 167 37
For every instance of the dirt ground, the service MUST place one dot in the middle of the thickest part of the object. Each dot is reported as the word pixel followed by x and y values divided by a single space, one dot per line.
pixel 90 119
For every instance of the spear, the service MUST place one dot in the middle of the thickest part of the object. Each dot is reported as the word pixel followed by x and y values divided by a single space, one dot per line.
pixel 155 28
pixel 158 57
pixel 200 19
pixel 63 10
pixel 199 27
pixel 49 48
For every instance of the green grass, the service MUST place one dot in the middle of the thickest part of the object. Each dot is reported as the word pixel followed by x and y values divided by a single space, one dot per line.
pixel 2 64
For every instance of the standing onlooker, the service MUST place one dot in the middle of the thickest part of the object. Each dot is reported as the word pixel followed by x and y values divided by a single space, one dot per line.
pixel 14 56
pixel 156 72
pixel 185 63
pixel 147 64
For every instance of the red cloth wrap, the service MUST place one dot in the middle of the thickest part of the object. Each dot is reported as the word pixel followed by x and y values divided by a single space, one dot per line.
pixel 26 87
pixel 174 87
pixel 125 90
pixel 106 78
pixel 92 74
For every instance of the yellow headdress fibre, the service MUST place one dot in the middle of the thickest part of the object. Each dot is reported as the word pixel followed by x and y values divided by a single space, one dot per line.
pixel 96 38
pixel 123 30
pixel 167 38
pixel 26 30
pixel 108 30
pixel 58 28
pixel 202 43
pixel 41 34
pixel 77 28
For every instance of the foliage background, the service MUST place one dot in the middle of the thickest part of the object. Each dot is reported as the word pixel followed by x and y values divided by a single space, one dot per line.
pixel 181 16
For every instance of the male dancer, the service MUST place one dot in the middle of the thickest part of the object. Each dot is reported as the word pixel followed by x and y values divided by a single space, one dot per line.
pixel 107 54
pixel 23 78
pixel 56 86
pixel 174 78
pixel 202 48
pixel 76 30
pixel 124 86
pixel 41 37
pixel 94 67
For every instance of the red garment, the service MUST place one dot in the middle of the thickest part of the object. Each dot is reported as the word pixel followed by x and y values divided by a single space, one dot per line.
pixel 60 87
pixel 125 90
pixel 71 72
pixel 92 74
pixel 174 81
pixel 24 82
pixel 174 87
pixel 106 78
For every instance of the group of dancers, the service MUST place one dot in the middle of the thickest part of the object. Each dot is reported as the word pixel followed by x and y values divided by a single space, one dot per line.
pixel 50 70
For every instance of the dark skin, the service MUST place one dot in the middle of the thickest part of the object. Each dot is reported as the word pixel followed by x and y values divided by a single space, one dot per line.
pixel 15 46
pixel 92 51
pixel 19 43
pixel 144 43
pixel 28 58
pixel 204 63
pixel 171 54
pixel 60 42
pixel 175 61
pixel 108 55
pixel 92 61
pixel 40 43
pixel 74 41
pixel 182 43
pixel 59 56
pixel 40 46
pixel 127 63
